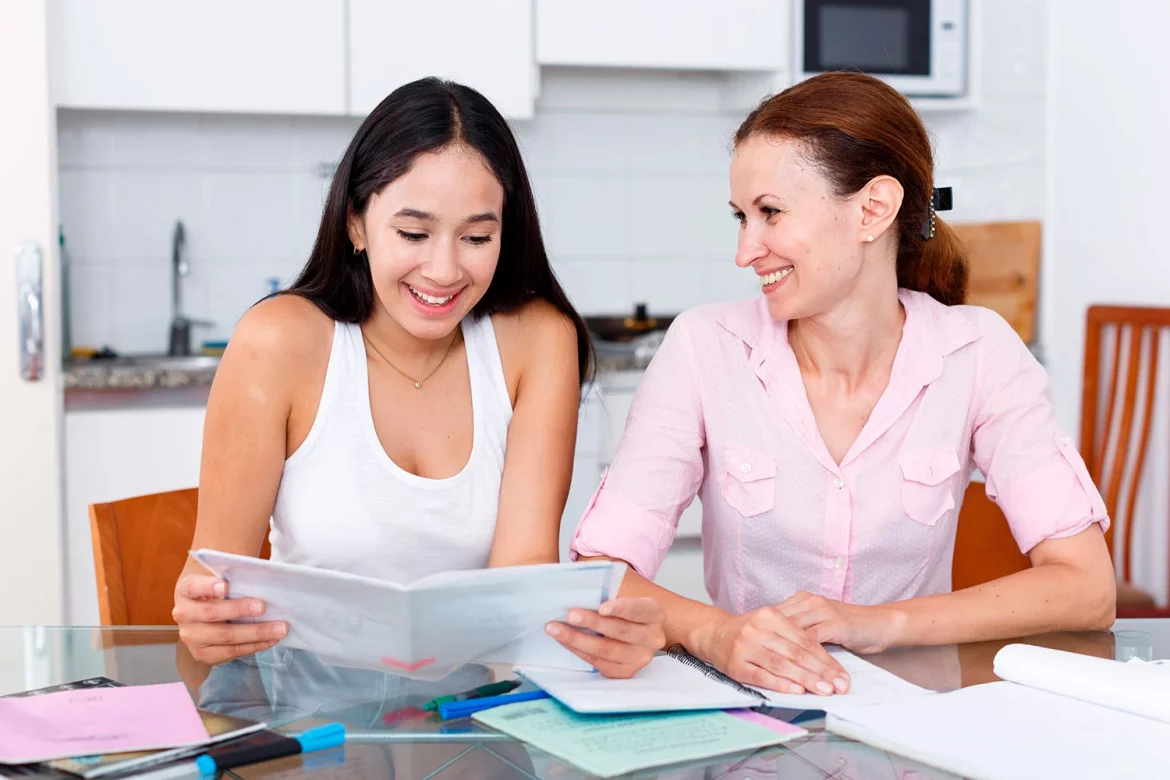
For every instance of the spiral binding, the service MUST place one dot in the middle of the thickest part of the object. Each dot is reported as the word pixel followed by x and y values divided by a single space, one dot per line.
pixel 680 654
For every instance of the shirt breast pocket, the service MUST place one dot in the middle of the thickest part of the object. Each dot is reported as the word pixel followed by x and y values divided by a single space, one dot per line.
pixel 928 482
pixel 749 480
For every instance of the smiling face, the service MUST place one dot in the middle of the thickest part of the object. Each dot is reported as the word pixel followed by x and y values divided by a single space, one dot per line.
pixel 804 242
pixel 432 237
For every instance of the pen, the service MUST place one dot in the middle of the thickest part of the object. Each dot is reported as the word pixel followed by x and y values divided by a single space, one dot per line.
pixel 494 689
pixel 461 709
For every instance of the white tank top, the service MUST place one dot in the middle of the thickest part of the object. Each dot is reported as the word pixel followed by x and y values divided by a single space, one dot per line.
pixel 344 505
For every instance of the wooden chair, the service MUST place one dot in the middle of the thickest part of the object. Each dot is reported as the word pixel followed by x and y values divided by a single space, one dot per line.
pixel 1114 449
pixel 140 547
pixel 1117 409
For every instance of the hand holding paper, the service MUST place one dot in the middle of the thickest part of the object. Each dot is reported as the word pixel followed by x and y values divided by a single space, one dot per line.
pixel 625 634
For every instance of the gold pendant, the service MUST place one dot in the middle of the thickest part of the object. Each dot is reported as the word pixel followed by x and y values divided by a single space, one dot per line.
pixel 418 385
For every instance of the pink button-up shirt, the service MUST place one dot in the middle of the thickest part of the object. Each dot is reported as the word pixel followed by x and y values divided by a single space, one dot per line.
pixel 722 414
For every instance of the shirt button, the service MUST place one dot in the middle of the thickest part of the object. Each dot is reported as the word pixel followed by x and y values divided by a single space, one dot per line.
pixel 1064 441
pixel 838 483
pixel 745 468
pixel 838 563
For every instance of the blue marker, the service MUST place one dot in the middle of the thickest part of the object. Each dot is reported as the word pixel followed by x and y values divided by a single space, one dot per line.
pixel 462 709
pixel 266 746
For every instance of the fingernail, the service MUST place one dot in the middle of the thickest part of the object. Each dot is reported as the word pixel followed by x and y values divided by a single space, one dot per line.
pixel 575 617
pixel 280 629
pixel 605 609
pixel 256 608
pixel 842 684
pixel 553 629
pixel 219 589
pixel 824 687
pixel 796 688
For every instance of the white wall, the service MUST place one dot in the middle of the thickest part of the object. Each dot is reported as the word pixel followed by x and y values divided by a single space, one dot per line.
pixel 1109 162
pixel 629 168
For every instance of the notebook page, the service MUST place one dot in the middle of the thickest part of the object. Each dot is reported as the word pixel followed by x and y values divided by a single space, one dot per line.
pixel 1141 689
pixel 663 685
pixel 870 684
pixel 1007 731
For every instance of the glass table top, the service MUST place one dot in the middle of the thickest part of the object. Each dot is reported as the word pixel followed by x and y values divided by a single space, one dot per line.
pixel 390 736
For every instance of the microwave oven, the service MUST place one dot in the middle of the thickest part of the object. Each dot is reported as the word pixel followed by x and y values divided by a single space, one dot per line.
pixel 919 47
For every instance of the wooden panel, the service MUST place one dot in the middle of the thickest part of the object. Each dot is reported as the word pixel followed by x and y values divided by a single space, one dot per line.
pixel 1005 268
pixel 984 546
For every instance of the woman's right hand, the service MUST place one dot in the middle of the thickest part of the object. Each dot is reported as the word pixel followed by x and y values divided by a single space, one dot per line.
pixel 766 649
pixel 202 611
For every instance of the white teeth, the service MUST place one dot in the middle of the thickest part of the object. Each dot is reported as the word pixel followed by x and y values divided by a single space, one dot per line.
pixel 432 300
pixel 772 278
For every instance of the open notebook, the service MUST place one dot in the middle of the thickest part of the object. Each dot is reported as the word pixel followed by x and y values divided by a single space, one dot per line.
pixel 1057 714
pixel 679 681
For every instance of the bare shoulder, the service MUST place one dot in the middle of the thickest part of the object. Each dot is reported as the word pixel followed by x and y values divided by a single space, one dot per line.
pixel 534 334
pixel 285 334
pixel 535 323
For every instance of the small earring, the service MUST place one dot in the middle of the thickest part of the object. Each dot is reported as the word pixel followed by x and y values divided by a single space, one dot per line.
pixel 869 238
pixel 357 251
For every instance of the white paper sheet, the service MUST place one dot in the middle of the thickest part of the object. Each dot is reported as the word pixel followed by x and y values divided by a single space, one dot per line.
pixel 869 684
pixel 1141 689
pixel 664 685
pixel 1004 731
pixel 668 684
pixel 429 628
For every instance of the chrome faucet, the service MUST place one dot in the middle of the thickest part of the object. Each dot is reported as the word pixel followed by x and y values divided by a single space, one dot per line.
pixel 180 343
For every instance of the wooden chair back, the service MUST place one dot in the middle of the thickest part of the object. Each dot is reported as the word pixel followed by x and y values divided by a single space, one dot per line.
pixel 1122 358
pixel 140 547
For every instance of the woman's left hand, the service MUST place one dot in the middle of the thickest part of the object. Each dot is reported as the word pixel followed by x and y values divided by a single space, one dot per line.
pixel 861 629
pixel 628 631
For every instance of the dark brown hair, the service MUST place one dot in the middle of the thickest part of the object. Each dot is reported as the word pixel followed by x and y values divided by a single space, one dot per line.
pixel 853 128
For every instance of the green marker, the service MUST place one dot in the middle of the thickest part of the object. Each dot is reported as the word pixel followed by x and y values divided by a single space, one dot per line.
pixel 493 689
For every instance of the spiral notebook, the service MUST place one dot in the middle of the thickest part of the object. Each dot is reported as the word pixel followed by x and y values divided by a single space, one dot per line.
pixel 677 681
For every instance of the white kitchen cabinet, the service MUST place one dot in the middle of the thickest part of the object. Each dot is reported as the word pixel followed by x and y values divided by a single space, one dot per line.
pixel 116 454
pixel 728 35
pixel 487 46
pixel 259 56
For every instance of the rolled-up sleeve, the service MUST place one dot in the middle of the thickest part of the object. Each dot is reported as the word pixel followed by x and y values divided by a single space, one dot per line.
pixel 657 468
pixel 1033 471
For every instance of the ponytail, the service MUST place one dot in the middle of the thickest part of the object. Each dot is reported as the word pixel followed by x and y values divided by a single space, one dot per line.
pixel 937 267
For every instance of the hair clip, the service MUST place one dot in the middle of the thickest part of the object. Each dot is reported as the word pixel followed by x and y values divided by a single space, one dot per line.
pixel 941 199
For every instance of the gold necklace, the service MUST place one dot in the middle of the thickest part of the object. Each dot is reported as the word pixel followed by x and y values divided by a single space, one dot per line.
pixel 418 383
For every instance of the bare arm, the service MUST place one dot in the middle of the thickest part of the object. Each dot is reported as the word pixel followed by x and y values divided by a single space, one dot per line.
pixel 245 441
pixel 1070 587
pixel 541 437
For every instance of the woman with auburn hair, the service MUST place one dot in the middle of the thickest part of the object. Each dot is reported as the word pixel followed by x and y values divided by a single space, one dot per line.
pixel 830 426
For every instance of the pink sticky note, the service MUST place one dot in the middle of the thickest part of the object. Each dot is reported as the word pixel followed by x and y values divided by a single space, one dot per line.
pixel 772 724
pixel 93 721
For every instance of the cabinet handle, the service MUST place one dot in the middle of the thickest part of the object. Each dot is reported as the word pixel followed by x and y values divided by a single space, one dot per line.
pixel 29 297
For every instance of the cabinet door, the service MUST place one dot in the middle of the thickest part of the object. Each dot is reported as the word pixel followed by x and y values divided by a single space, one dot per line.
pixel 259 56
pixel 684 34
pixel 487 46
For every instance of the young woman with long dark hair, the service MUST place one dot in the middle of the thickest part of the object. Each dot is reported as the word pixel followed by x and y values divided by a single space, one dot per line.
pixel 409 404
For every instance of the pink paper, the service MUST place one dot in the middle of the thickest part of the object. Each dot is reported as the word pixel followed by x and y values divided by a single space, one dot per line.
pixel 94 721
pixel 772 724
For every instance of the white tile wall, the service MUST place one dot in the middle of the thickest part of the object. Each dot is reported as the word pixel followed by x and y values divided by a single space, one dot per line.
pixel 629 169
